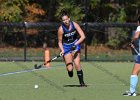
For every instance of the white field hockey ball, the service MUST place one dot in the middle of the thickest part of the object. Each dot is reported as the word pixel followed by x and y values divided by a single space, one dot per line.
pixel 36 86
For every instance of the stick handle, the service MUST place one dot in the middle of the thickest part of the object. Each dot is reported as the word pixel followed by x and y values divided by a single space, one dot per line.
pixel 136 51
pixel 56 57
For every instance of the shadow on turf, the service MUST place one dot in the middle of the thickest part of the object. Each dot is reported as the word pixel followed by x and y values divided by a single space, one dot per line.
pixel 71 85
pixel 138 94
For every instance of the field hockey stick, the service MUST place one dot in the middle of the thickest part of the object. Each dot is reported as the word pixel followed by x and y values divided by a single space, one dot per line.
pixel 39 66
pixel 133 47
pixel 75 54
pixel 58 56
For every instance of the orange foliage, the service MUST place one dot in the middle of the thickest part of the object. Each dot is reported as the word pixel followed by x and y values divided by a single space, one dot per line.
pixel 34 10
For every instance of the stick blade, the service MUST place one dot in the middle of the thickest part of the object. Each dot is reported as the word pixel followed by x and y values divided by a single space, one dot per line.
pixel 37 67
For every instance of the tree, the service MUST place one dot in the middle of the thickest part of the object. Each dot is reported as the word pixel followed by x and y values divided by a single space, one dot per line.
pixel 12 10
pixel 20 10
pixel 75 11
pixel 33 12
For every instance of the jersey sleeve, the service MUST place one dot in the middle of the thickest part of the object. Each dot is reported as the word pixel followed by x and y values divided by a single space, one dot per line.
pixel 138 29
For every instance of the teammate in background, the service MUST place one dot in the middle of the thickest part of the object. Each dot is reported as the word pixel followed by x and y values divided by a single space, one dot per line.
pixel 68 39
pixel 136 68
pixel 136 45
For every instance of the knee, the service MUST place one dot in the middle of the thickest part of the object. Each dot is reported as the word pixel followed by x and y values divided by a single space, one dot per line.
pixel 77 66
pixel 69 66
pixel 136 70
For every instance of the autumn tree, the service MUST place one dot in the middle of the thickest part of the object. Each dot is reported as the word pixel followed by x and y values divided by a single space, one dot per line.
pixel 12 10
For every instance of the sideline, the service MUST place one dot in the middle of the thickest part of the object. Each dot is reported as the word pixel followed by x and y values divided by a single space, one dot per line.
pixel 25 71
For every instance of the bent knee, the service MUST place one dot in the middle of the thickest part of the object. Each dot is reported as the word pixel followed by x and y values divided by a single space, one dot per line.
pixel 69 66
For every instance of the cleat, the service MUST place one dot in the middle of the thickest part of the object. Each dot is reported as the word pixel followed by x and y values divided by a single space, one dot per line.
pixel 70 73
pixel 83 84
pixel 128 93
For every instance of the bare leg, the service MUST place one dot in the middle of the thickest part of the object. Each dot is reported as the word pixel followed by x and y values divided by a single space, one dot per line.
pixel 69 64
pixel 79 70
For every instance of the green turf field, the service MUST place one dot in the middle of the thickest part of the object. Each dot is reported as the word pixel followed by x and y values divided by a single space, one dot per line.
pixel 105 80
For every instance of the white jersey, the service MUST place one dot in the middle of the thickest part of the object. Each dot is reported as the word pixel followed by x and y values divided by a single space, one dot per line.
pixel 138 41
pixel 138 29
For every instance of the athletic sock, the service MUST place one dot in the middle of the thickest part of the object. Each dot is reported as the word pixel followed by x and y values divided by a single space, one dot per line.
pixel 80 76
pixel 70 73
pixel 133 83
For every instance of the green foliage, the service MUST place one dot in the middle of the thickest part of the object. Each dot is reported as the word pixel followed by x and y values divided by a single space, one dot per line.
pixel 121 16
pixel 94 3
pixel 119 37
pixel 75 12
pixel 11 10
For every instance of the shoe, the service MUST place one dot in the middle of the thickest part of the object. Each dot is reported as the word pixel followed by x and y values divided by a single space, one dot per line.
pixel 70 73
pixel 128 93
pixel 83 84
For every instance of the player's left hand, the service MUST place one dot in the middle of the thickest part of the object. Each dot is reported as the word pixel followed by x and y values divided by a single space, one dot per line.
pixel 131 45
pixel 73 47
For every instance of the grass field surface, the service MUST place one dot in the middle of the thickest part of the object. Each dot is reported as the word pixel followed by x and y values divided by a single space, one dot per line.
pixel 105 80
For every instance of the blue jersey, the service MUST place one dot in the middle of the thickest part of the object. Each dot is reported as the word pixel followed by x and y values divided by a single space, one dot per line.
pixel 69 36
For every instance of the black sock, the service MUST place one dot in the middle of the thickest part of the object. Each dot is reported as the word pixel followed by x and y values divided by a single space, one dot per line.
pixel 70 73
pixel 80 76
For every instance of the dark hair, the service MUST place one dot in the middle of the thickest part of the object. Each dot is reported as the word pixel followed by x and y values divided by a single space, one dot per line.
pixel 139 19
pixel 63 13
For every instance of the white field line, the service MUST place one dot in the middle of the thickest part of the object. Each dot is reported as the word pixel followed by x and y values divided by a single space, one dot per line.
pixel 25 71
pixel 32 84
pixel 106 84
